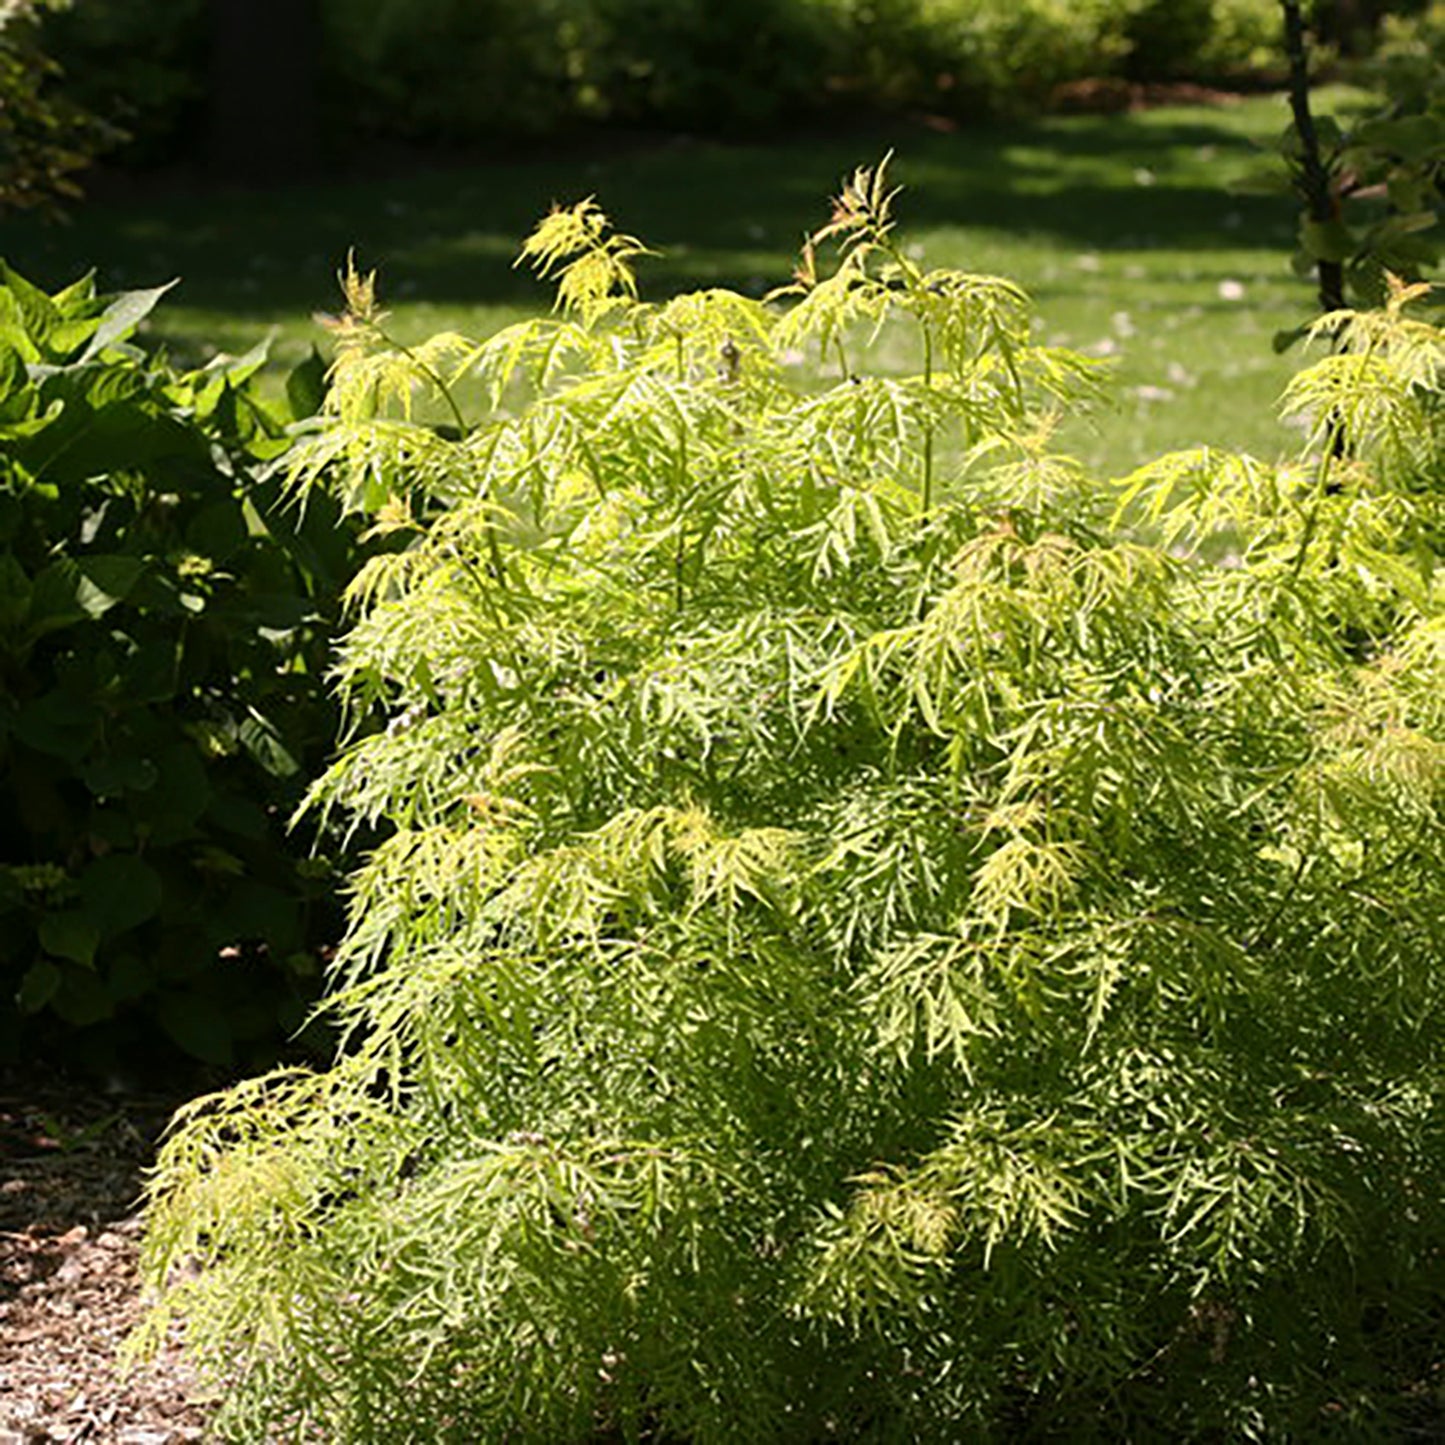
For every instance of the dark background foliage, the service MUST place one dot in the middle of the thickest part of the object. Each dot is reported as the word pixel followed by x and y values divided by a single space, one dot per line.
pixel 472 72
pixel 167 614
pixel 45 135
pixel 256 88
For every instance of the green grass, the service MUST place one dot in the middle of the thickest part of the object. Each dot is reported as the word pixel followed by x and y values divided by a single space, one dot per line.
pixel 1125 229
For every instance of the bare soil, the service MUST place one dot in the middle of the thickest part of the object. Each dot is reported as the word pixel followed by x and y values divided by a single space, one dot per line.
pixel 71 1161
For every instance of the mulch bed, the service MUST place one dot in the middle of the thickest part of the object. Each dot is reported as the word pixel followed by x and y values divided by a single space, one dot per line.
pixel 71 1161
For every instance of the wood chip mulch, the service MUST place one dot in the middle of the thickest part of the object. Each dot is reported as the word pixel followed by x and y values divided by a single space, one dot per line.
pixel 70 1170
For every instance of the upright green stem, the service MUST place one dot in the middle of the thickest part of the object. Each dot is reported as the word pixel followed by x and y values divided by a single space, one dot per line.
pixel 680 553
pixel 494 547
pixel 928 428
pixel 1322 488
pixel 436 380
pixel 1314 177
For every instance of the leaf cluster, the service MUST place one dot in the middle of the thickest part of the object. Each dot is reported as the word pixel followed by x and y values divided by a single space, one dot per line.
pixel 45 136
pixel 880 936
pixel 165 617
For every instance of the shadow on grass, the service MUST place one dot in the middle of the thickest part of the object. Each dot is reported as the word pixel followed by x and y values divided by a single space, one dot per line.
pixel 722 214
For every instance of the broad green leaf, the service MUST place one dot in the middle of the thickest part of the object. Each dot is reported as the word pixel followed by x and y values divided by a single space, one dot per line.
pixel 109 777
pixel 76 301
pixel 13 378
pixel 54 597
pixel 1401 225
pixel 1412 138
pixel 238 370
pixel 15 594
pixel 218 530
pixel 119 892
pixel 171 808
pixel 263 741
pixel 103 385
pixel 66 336
pixel 150 672
pixel 16 431
pixel 306 386
pixel 198 1025
pixel 72 935
pixel 1328 240
pixel 83 998
pixel 105 581
pixel 68 591
pixel 121 317
pixel 18 411
pixel 39 985
pixel 37 312
pixel 130 976
pixel 59 724
pixel 14 334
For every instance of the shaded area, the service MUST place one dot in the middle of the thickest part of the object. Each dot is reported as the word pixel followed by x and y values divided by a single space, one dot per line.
pixel 71 1159
pixel 722 214
pixel 1123 228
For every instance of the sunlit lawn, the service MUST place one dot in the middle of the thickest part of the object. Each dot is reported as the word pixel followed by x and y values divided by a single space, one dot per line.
pixel 1129 231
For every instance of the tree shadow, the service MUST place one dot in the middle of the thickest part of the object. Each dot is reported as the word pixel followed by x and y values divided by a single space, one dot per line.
pixel 446 232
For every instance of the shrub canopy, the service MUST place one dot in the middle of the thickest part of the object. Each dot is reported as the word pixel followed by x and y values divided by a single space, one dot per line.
pixel 45 137
pixel 881 936
pixel 165 621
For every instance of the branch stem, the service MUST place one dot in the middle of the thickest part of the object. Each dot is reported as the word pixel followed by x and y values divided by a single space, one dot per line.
pixel 1314 178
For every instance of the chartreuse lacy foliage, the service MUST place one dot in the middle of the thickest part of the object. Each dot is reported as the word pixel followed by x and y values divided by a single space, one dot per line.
pixel 880 936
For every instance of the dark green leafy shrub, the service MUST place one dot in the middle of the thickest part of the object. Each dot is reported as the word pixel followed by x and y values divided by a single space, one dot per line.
pixel 1003 55
pixel 141 64
pixel 1406 65
pixel 1354 27
pixel 884 937
pixel 1201 39
pixel 712 67
pixel 992 56
pixel 466 72
pixel 452 71
pixel 46 135
pixel 166 619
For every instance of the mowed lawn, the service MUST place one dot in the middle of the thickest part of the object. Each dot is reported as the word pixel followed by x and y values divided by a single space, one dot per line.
pixel 1138 236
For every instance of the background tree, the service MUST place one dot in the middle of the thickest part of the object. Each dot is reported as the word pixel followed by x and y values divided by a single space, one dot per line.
pixel 1312 177
pixel 45 137
pixel 1371 191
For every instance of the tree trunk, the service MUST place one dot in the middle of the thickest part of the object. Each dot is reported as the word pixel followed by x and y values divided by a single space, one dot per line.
pixel 1314 178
